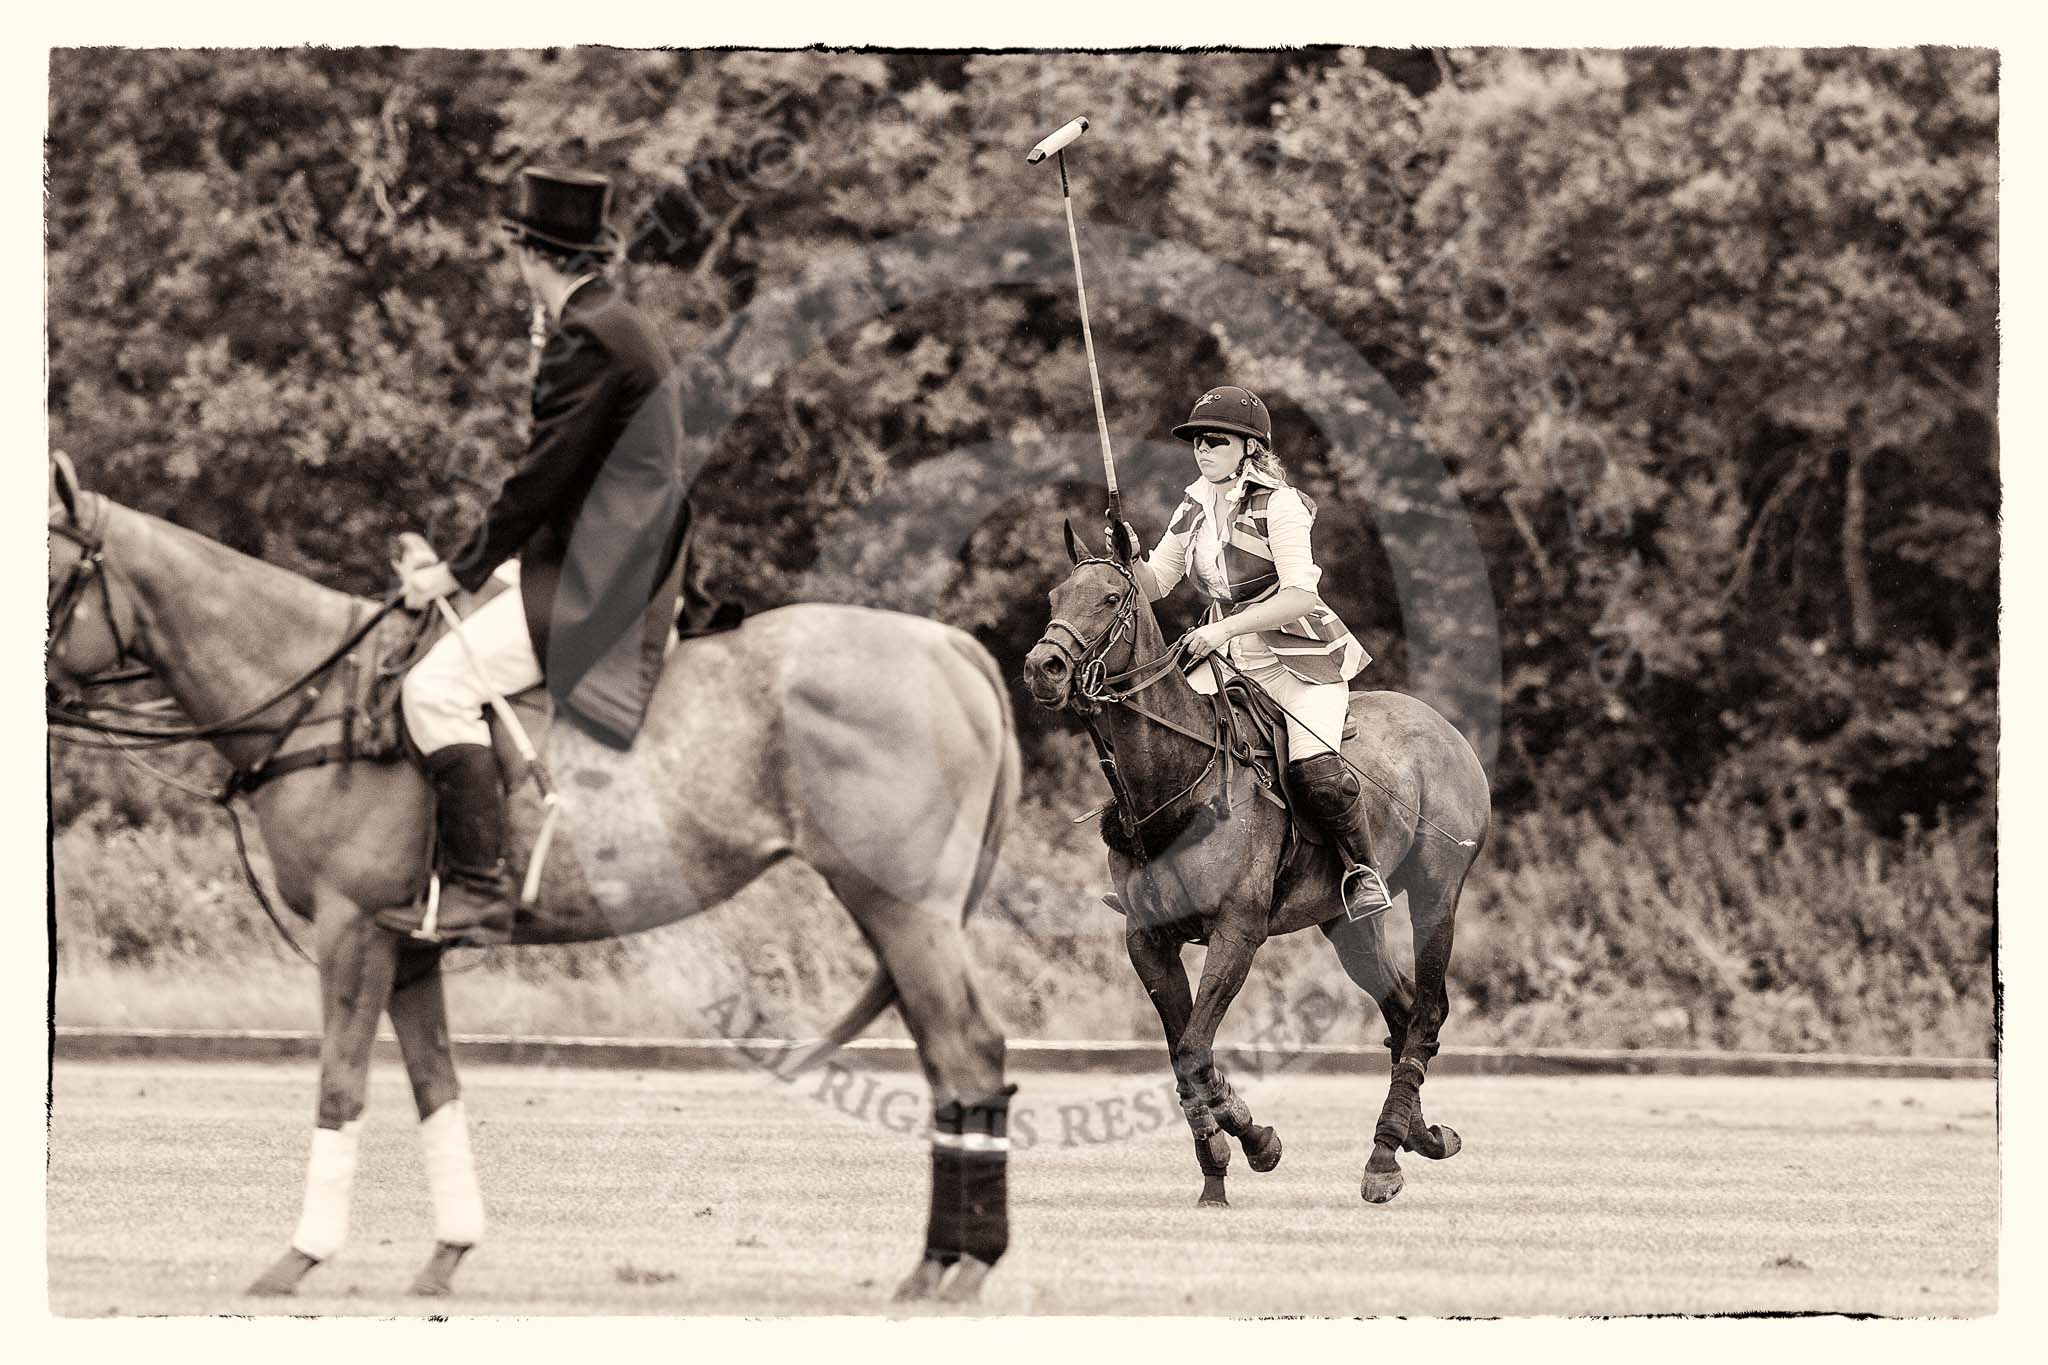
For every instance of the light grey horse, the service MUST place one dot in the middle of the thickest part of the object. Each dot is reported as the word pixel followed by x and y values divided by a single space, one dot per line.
pixel 876 747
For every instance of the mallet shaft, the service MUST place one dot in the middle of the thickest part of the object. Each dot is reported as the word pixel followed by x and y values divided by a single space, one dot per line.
pixel 1088 336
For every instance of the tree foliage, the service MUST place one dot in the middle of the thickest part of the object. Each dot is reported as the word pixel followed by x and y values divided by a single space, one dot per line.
pixel 1705 339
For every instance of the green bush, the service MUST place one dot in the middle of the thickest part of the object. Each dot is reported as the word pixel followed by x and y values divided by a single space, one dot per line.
pixel 1711 930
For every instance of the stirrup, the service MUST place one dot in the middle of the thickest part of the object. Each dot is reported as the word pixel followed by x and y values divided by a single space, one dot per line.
pixel 430 922
pixel 429 930
pixel 1375 899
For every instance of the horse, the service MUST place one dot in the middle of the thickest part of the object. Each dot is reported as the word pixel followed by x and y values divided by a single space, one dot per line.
pixel 1193 864
pixel 876 747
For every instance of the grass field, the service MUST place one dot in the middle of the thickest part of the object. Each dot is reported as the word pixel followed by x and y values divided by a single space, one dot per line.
pixel 171 1185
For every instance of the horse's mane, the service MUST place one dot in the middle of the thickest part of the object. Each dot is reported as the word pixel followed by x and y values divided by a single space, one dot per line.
pixel 259 576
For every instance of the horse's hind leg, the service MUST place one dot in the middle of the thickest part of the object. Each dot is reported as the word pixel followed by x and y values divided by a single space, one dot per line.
pixel 1361 947
pixel 962 1050
pixel 1432 909
pixel 419 1016
pixel 357 962
pixel 1156 959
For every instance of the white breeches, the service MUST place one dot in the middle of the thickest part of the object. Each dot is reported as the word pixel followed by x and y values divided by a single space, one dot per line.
pixel 1316 711
pixel 446 692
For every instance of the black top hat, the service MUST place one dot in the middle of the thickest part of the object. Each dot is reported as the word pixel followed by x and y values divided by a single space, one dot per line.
pixel 564 210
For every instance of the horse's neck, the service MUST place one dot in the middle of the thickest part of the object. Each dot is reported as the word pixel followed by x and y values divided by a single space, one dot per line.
pixel 1157 761
pixel 222 631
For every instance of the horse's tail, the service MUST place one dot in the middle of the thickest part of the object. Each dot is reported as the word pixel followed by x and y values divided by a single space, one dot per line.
pixel 879 995
pixel 880 992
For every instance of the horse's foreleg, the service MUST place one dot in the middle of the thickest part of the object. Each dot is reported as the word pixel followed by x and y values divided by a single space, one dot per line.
pixel 357 961
pixel 1206 1094
pixel 1432 908
pixel 1156 959
pixel 419 1015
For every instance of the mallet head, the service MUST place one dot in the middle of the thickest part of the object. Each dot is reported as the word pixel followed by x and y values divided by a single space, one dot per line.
pixel 1059 138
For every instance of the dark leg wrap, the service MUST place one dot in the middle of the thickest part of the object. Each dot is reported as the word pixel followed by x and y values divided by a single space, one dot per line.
pixel 970 1213
pixel 1201 1118
pixel 1233 1115
pixel 1399 1111
pixel 1213 1156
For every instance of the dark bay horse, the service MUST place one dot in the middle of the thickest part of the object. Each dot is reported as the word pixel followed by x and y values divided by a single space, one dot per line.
pixel 1203 874
pixel 876 747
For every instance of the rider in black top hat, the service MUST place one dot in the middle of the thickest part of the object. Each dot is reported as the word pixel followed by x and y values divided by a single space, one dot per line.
pixel 596 513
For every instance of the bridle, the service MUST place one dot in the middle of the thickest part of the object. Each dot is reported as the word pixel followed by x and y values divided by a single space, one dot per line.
pixel 87 572
pixel 1086 659
pixel 140 726
pixel 1097 687
pixel 125 729
pixel 1093 682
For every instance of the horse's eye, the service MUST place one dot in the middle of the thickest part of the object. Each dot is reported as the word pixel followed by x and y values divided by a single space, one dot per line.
pixel 1109 599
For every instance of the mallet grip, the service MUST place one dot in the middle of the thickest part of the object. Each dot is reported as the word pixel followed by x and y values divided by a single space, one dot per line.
pixel 1059 138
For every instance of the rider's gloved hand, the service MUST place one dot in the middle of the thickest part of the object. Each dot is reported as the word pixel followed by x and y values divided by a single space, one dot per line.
pixel 1136 546
pixel 426 582
pixel 1205 640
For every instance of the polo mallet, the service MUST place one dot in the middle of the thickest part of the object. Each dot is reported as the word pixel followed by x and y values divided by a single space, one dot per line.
pixel 1055 146
pixel 507 717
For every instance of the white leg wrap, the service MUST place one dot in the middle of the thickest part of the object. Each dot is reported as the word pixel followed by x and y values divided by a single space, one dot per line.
pixel 330 1175
pixel 451 1175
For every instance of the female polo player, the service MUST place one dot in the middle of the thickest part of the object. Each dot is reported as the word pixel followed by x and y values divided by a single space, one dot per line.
pixel 1242 533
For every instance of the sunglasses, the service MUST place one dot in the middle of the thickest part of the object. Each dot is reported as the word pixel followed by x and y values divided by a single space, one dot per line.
pixel 1212 440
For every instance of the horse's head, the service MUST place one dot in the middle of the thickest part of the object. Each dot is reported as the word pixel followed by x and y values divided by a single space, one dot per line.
pixel 1091 635
pixel 85 634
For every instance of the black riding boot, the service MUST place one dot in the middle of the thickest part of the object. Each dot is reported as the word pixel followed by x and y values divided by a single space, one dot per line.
pixel 475 905
pixel 1334 799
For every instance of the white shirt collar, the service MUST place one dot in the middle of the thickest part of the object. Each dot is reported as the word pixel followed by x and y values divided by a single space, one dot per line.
pixel 575 285
pixel 1211 494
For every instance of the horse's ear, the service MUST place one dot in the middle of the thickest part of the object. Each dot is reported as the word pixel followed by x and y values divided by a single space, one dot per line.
pixel 1073 546
pixel 64 487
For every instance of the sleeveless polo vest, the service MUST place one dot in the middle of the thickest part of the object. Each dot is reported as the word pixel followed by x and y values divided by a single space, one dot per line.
pixel 1316 648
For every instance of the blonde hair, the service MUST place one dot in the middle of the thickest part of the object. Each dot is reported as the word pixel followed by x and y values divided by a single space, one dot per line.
pixel 1264 460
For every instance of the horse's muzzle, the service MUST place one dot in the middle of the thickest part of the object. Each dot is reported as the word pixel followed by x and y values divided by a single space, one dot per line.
pixel 1048 677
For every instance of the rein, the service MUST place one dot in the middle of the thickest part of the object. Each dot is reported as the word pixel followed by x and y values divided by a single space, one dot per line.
pixel 1096 685
pixel 1101 688
pixel 126 738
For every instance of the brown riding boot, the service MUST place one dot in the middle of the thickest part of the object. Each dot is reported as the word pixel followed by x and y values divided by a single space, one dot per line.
pixel 1333 796
pixel 475 906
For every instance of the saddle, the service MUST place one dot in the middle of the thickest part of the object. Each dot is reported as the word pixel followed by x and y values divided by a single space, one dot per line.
pixel 1256 729
pixel 369 677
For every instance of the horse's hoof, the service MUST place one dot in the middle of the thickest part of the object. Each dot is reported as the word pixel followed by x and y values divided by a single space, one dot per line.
pixel 282 1279
pixel 1261 1147
pixel 1212 1194
pixel 1436 1142
pixel 1379 1187
pixel 922 1282
pixel 964 1285
pixel 435 1278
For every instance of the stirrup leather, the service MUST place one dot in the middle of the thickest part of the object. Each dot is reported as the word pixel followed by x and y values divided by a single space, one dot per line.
pixel 1372 898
